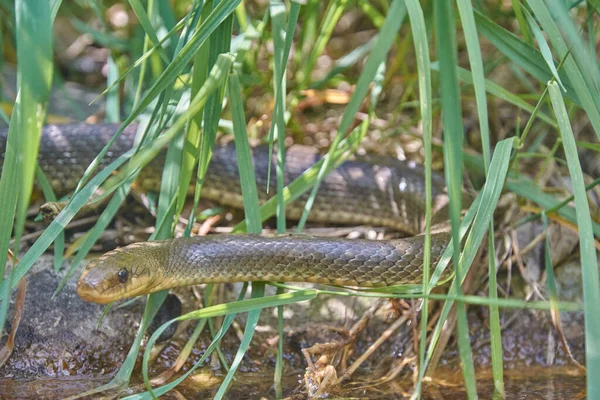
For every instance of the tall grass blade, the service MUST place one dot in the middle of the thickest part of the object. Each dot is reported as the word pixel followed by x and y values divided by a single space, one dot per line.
pixel 211 312
pixel 503 94
pixel 258 291
pixel 485 209
pixel 521 53
pixel 453 140
pixel 277 13
pixel 419 32
pixel 244 157
pixel 34 77
pixel 334 12
pixel 219 14
pixel 576 68
pixel 385 39
pixel 475 60
pixel 589 261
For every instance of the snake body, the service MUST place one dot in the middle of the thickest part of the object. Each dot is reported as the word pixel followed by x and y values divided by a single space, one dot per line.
pixel 386 192
pixel 148 267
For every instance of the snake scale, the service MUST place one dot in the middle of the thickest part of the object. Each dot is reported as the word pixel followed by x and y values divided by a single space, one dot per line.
pixel 380 192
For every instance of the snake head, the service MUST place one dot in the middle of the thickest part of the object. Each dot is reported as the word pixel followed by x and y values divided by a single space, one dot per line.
pixel 126 272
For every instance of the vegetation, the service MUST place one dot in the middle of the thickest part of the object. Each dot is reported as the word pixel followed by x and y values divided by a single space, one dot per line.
pixel 393 72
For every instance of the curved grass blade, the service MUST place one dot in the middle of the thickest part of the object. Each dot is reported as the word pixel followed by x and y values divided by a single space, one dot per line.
pixel 258 291
pixel 485 208
pixel 589 261
pixel 277 129
pixel 543 45
pixel 59 242
pixel 305 181
pixel 475 60
pixel 8 197
pixel 521 53
pixel 503 94
pixel 63 218
pixel 145 155
pixel 244 157
pixel 334 12
pixel 576 68
pixel 419 32
pixel 384 42
pixel 282 42
pixel 235 307
pixel 146 24
pixel 215 81
pixel 583 54
pixel 453 140
pixel 34 76
pixel 527 188
pixel 191 155
pixel 221 12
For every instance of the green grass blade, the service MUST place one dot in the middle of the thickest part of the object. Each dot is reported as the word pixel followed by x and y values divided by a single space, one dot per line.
pixel 306 180
pixel 385 39
pixel 244 157
pixel 191 155
pixel 169 186
pixel 235 307
pixel 112 208
pixel 495 327
pixel 419 32
pixel 521 53
pixel 219 14
pixel 219 43
pixel 333 14
pixel 149 30
pixel 501 93
pixel 146 56
pixel 583 54
pixel 517 8
pixel 8 197
pixel 543 45
pixel 59 242
pixel 589 261
pixel 34 77
pixel 575 68
pixel 453 140
pixel 282 42
pixel 258 291
pixel 277 13
pixel 485 210
pixel 527 188
pixel 215 81
pixel 113 103
pixel 479 83
pixel 346 62
pixel 62 219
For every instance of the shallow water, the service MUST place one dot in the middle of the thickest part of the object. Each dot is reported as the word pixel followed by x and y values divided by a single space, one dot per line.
pixel 530 384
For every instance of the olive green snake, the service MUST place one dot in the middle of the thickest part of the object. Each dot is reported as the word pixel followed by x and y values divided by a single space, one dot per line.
pixel 379 192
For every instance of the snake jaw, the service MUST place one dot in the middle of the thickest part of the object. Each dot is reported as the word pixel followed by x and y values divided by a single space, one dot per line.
pixel 117 275
pixel 96 286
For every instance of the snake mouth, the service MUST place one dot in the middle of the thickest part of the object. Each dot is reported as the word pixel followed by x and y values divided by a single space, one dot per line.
pixel 92 293
pixel 99 284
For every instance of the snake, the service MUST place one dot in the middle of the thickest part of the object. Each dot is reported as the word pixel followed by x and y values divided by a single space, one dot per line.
pixel 377 191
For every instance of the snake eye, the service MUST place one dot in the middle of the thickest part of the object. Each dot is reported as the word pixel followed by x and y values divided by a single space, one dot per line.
pixel 123 275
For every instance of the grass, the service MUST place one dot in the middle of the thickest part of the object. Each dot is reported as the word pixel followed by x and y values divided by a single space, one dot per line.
pixel 184 73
